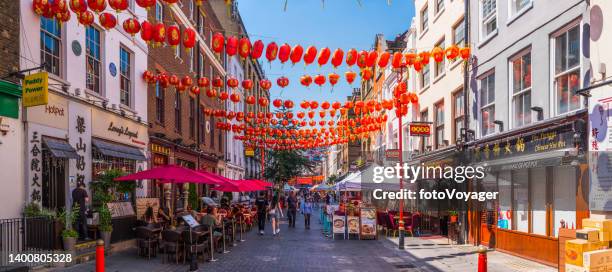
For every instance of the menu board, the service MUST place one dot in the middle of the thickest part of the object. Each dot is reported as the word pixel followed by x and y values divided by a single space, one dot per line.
pixel 368 223
pixel 353 224
pixel 338 224
pixel 120 209
pixel 143 203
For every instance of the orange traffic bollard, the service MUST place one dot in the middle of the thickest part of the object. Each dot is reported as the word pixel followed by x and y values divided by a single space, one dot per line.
pixel 482 259
pixel 100 256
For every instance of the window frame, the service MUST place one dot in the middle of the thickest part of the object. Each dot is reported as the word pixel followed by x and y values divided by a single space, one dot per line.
pixel 160 100
pixel 459 93
pixel 127 77
pixel 424 15
pixel 100 61
pixel 425 77
pixel 521 93
pixel 485 20
pixel 192 117
pixel 56 39
pixel 438 123
pixel 439 7
pixel 159 11
pixel 514 13
pixel 178 108
pixel 575 24
pixel 490 103
pixel 423 117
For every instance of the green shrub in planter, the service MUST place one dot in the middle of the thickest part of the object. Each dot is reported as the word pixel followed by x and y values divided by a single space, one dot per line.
pixel 105 219
pixel 70 233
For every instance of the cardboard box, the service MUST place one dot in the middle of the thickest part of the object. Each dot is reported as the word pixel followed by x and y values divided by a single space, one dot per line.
pixel 591 235
pixel 604 225
pixel 597 258
pixel 605 236
pixel 575 248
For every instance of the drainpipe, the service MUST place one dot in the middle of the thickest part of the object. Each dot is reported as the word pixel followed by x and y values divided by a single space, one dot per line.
pixel 466 111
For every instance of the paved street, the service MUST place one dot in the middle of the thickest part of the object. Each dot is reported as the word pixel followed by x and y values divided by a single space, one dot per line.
pixel 307 250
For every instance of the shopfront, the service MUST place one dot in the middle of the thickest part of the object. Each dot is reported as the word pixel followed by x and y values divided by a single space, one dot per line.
pixel 543 188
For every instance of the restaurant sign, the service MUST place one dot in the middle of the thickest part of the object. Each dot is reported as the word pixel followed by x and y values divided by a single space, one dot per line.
pixel 392 154
pixel 36 89
pixel 538 142
pixel 420 129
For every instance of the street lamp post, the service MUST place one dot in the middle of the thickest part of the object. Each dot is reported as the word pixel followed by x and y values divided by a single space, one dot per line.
pixel 400 157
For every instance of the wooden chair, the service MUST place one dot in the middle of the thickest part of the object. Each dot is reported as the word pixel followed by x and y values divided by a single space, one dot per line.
pixel 171 243
pixel 147 242
pixel 194 242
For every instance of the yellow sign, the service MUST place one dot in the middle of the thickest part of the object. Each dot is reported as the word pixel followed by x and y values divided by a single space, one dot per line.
pixel 249 152
pixel 36 89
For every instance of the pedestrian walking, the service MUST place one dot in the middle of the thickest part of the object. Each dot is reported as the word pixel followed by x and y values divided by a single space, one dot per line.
pixel 275 214
pixel 262 207
pixel 292 205
pixel 306 210
pixel 80 197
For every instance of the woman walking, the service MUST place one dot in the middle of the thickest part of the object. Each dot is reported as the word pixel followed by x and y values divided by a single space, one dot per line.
pixel 275 214
pixel 306 209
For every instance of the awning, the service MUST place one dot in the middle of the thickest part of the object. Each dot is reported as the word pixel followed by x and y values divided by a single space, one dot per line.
pixel 60 148
pixel 535 160
pixel 118 151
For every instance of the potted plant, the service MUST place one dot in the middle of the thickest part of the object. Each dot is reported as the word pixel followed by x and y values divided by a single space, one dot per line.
pixel 69 235
pixel 453 216
pixel 105 226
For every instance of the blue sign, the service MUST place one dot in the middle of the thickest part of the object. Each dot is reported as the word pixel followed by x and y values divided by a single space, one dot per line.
pixel 113 69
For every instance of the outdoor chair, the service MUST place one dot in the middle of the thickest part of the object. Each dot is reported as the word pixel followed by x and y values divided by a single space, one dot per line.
pixel 382 221
pixel 193 242
pixel 171 243
pixel 147 242
pixel 392 226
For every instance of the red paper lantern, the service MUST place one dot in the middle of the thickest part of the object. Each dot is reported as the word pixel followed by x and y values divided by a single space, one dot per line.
pixel 417 65
pixel 232 82
pixel 189 38
pixel 181 87
pixel 247 84
pixel 397 62
pixel 319 80
pixel 195 90
pixel 337 58
pixel 203 82
pixel 282 82
pixel 257 49
pixel 211 93
pixel 366 74
pixel 384 59
pixel 218 42
pixel 351 57
pixel 265 84
pixel 148 76
pixel 271 51
pixel 362 59
pixel 263 102
pixel 42 8
pixel 324 56
pixel 371 59
pixel 145 3
pixel 223 96
pixel 107 20
pixel 411 58
pixel 314 105
pixel 235 97
pixel 283 53
pixel 187 81
pixel 333 78
pixel 250 100
pixel 424 57
pixel 277 103
pixel 305 104
pixel 173 35
pixel 306 80
pixel 174 80
pixel 452 52
pixel 325 105
pixel 118 5
pixel 231 46
pixel 350 76
pixel 336 105
pixel 437 54
pixel 311 54
pixel 77 6
pixel 300 114
pixel 244 47
pixel 465 53
pixel 296 54
pixel 288 104
pixel 96 6
pixel 159 33
pixel 131 26
pixel 311 115
pixel 146 31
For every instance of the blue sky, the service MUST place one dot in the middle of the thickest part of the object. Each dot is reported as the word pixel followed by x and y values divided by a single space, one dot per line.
pixel 339 24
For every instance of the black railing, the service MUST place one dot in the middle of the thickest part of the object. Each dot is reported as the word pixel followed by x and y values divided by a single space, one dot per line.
pixel 32 234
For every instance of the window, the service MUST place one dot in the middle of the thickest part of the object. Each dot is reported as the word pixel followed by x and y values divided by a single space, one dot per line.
pixel 424 140
pixel 177 112
pixel 439 124
pixel 459 33
pixel 521 89
pixel 191 60
pixel 458 114
pixel 177 48
pixel 191 9
pixel 439 5
pixel 487 104
pixel 126 76
pixel 192 109
pixel 488 17
pixel 212 132
pixel 439 66
pixel 159 103
pixel 201 126
pixel 159 11
pixel 200 64
pixel 50 44
pixel 424 19
pixel 567 69
pixel 425 76
pixel 93 59
pixel 516 6
pixel 200 25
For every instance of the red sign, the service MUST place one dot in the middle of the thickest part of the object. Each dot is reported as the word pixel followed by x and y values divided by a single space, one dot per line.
pixel 392 154
pixel 304 180
pixel 420 129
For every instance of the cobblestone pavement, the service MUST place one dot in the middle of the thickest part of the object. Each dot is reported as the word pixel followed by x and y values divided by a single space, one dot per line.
pixel 293 250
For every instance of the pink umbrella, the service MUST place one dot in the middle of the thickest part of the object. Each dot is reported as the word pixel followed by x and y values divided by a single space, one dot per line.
pixel 170 174
pixel 260 182
pixel 230 185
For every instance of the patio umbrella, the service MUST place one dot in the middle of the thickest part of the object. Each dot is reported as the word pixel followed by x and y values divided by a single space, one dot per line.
pixel 229 185
pixel 170 174
pixel 261 182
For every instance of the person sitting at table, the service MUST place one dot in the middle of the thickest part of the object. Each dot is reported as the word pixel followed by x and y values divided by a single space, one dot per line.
pixel 163 214
pixel 148 216
pixel 213 220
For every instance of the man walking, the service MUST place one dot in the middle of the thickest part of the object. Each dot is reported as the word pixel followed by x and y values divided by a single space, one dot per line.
pixel 262 207
pixel 292 209
pixel 79 196
pixel 306 209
